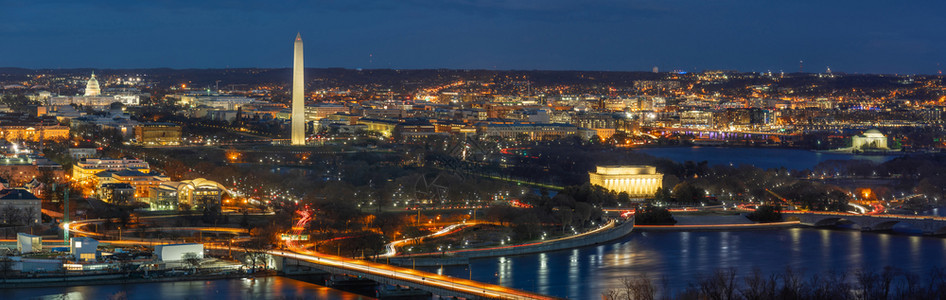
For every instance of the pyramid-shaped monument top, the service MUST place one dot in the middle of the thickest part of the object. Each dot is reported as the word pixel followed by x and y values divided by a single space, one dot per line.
pixel 298 36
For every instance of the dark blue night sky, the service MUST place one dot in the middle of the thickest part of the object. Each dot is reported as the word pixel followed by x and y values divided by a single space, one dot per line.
pixel 620 35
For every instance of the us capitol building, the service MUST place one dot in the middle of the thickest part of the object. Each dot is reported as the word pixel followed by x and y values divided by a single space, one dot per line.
pixel 639 181
pixel 93 97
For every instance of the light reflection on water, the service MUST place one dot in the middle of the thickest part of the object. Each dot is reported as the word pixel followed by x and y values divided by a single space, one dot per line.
pixel 259 288
pixel 683 256
pixel 543 278
pixel 574 272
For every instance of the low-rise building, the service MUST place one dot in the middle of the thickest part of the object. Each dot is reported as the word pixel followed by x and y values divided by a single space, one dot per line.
pixel 140 181
pixel 158 134
pixel 384 127
pixel 637 181
pixel 197 194
pixel 26 205
pixel 34 132
pixel 534 132
pixel 23 168
pixel 34 265
pixel 27 243
pixel 163 197
pixel 178 252
pixel 116 193
pixel 80 153
pixel 85 169
pixel 83 248
pixel 320 111
pixel 696 119
pixel 116 120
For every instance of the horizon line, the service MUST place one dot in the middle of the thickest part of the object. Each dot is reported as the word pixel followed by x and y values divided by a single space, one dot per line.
pixel 462 69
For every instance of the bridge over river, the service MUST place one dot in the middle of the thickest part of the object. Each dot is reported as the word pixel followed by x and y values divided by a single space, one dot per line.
pixel 930 225
pixel 446 286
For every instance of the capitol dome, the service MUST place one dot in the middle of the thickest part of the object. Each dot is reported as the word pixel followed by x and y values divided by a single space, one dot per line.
pixel 92 87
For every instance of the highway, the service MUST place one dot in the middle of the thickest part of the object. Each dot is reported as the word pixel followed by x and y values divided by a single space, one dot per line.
pixel 418 278
pixel 391 248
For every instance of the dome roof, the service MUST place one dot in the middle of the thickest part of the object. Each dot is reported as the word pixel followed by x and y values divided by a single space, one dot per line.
pixel 873 133
pixel 92 87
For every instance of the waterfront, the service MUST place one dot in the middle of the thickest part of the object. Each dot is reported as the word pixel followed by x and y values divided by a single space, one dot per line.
pixel 760 157
pixel 259 288
pixel 682 256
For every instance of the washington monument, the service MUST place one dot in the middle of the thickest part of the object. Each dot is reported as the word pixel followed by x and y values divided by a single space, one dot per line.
pixel 298 94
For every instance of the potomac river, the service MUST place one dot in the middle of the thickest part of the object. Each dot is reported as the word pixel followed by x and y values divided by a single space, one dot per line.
pixel 585 273
pixel 764 158
pixel 682 256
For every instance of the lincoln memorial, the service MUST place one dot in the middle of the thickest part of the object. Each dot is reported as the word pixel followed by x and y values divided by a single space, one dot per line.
pixel 638 181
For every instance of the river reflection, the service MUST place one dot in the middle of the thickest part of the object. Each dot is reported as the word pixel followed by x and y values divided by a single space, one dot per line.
pixel 260 288
pixel 680 257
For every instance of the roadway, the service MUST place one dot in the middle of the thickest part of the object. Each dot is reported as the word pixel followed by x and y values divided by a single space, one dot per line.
pixel 412 277
pixel 391 248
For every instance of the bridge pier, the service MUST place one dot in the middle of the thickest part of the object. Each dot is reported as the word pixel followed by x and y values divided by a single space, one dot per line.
pixel 927 225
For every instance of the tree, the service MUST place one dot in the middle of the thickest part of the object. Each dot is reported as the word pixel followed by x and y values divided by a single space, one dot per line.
pixel 662 195
pixel 652 215
pixel 624 198
pixel 684 192
pixel 720 285
pixel 501 213
pixel 767 214
pixel 11 215
pixel 527 227
pixel 191 259
pixel 30 215
pixel 565 216
pixel 255 250
pixel 387 223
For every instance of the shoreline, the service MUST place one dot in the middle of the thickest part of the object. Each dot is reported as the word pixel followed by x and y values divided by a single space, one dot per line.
pixel 108 279
pixel 826 151
pixel 462 257
pixel 719 227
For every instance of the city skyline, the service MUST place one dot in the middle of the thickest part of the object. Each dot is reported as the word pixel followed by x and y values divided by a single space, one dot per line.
pixel 473 149
pixel 523 35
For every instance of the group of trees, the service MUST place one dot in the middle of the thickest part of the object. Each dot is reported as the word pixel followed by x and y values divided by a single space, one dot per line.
pixel 766 214
pixel 683 193
pixel 17 103
pixel 594 195
pixel 17 216
pixel 577 207
pixel 725 284
pixel 653 215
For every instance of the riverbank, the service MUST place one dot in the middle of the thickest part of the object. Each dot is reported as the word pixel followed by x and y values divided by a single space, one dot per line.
pixel 461 257
pixel 711 221
pixel 108 279
pixel 720 227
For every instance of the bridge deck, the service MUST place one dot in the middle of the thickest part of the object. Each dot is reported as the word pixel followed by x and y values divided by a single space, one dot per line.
pixel 387 274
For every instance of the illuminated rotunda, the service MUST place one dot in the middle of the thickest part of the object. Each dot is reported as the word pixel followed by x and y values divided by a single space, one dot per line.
pixel 92 87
